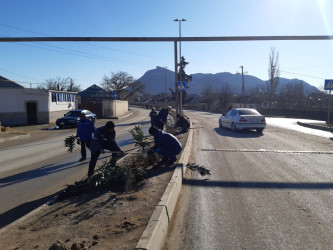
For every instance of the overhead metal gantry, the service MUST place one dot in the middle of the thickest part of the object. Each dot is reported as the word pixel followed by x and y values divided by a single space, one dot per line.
pixel 167 39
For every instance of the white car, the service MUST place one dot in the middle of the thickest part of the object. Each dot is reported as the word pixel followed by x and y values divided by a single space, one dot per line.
pixel 243 118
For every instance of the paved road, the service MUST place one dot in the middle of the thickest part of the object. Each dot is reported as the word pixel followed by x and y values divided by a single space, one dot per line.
pixel 270 191
pixel 32 171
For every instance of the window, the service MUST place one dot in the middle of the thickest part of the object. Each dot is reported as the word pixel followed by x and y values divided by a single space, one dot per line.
pixel 248 112
pixel 59 97
pixel 54 97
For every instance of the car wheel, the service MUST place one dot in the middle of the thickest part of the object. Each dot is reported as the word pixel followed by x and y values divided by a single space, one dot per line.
pixel 259 130
pixel 233 127
pixel 60 127
pixel 220 124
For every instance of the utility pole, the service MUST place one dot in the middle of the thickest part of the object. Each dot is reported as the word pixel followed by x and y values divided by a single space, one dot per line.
pixel 243 88
pixel 180 65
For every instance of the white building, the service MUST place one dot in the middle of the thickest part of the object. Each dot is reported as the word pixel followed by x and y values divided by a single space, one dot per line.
pixel 22 106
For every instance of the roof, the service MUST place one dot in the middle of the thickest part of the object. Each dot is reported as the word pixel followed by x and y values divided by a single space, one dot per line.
pixel 5 83
pixel 95 91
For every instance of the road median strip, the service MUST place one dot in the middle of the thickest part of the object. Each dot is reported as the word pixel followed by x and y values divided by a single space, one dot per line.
pixel 156 231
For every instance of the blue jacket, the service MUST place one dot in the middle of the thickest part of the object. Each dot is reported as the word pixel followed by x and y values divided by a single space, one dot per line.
pixel 85 129
pixel 104 139
pixel 167 142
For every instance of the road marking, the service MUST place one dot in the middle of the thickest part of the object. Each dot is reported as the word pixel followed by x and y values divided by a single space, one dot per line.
pixel 267 151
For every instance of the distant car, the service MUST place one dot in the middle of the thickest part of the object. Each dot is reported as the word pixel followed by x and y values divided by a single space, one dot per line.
pixel 72 117
pixel 243 118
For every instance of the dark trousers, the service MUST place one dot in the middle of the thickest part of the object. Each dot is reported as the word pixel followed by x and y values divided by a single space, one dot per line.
pixel 159 125
pixel 93 161
pixel 84 144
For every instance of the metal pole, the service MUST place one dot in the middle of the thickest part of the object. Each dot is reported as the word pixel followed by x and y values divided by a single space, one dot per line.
pixel 180 58
pixel 329 107
pixel 176 77
pixel 180 67
pixel 181 103
pixel 243 89
pixel 165 84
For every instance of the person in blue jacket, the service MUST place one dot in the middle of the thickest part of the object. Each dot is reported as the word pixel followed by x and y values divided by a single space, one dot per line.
pixel 161 117
pixel 85 129
pixel 166 145
pixel 104 138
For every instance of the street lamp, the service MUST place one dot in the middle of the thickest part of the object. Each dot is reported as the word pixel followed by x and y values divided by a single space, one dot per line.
pixel 180 56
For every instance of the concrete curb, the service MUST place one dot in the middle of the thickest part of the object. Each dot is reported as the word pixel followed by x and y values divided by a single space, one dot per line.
pixel 156 231
pixel 16 137
pixel 315 126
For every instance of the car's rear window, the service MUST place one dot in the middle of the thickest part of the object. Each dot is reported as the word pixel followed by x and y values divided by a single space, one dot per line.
pixel 74 113
pixel 248 112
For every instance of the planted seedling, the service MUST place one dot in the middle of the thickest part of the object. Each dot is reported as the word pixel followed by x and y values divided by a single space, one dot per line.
pixel 139 138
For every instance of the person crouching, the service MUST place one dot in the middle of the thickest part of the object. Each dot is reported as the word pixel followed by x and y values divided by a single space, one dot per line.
pixel 166 145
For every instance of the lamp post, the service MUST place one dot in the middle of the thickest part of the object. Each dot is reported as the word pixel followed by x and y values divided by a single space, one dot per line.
pixel 180 56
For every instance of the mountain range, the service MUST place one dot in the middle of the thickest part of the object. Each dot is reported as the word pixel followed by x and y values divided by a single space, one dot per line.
pixel 159 79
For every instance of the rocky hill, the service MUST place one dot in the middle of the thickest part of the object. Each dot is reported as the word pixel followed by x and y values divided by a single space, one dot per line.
pixel 159 79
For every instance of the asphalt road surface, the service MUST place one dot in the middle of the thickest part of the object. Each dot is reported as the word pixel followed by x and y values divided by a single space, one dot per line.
pixel 267 191
pixel 33 171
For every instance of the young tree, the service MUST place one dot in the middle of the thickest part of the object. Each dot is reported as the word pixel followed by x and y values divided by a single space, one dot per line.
pixel 273 75
pixel 123 83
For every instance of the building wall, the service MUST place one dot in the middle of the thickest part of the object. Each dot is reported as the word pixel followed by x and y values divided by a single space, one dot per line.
pixel 13 119
pixel 13 106
pixel 114 108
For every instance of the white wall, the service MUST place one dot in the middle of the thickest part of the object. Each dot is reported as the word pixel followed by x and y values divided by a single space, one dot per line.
pixel 14 100
pixel 13 104
pixel 114 108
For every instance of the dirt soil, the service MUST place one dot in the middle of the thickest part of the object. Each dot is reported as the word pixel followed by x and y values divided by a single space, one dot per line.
pixel 108 219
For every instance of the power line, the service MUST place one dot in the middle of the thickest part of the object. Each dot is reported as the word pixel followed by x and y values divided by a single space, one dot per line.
pixel 17 75
pixel 94 45
pixel 78 53
pixel 302 75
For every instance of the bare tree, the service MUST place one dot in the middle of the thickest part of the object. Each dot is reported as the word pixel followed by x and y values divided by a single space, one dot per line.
pixel 123 83
pixel 257 96
pixel 207 95
pixel 224 97
pixel 136 87
pixel 292 96
pixel 62 84
pixel 273 74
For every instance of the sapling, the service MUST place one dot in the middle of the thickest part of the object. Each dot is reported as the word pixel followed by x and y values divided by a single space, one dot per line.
pixel 70 142
pixel 139 138
pixel 198 169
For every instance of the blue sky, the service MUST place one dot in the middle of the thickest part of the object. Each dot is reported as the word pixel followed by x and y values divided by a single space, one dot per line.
pixel 88 63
